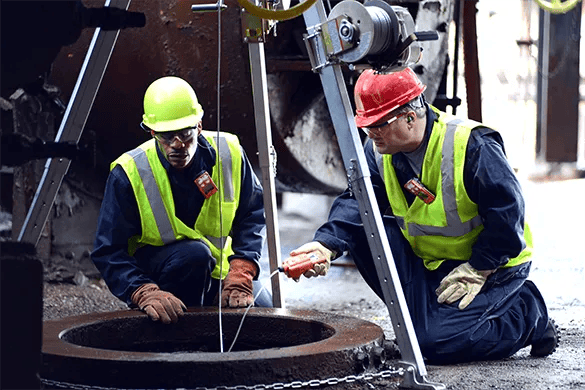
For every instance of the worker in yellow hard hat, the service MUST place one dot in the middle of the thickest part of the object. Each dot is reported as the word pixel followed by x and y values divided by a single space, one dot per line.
pixel 453 211
pixel 181 212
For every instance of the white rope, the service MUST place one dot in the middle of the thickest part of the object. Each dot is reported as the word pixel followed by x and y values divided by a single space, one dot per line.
pixel 219 198
pixel 248 309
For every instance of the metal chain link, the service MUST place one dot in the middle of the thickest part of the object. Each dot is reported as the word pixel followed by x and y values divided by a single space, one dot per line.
pixel 314 383
pixel 351 172
pixel 274 158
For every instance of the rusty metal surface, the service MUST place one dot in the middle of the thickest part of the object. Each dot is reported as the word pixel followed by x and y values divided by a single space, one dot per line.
pixel 470 56
pixel 303 132
pixel 176 41
pixel 274 345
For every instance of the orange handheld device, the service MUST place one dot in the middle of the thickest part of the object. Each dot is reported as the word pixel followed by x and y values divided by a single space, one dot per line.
pixel 415 187
pixel 294 267
pixel 206 185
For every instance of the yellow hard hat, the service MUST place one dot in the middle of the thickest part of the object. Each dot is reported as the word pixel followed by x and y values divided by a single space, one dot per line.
pixel 171 104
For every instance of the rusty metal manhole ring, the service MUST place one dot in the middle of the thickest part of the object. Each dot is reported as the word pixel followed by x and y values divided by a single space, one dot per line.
pixel 125 349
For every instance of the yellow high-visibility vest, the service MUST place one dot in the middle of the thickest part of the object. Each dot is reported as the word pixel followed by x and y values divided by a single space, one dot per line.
pixel 156 205
pixel 447 228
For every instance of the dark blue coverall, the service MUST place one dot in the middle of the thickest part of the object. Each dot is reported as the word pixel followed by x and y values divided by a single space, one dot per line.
pixel 183 267
pixel 509 313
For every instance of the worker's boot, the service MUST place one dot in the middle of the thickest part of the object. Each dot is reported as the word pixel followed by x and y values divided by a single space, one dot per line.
pixel 549 341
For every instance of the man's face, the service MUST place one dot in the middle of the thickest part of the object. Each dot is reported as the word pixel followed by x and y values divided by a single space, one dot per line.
pixel 394 133
pixel 178 146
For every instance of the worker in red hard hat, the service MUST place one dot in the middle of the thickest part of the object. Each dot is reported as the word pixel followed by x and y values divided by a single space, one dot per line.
pixel 181 212
pixel 453 211
pixel 378 105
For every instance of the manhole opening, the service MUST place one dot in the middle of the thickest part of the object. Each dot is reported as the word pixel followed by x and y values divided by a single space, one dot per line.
pixel 197 333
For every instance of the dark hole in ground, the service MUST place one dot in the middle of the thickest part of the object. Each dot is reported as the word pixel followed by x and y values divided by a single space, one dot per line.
pixel 197 334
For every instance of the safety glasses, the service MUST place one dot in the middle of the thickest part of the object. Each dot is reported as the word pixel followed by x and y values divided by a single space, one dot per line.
pixel 168 137
pixel 379 126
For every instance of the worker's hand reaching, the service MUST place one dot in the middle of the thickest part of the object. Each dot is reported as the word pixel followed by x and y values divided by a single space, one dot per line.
pixel 158 304
pixel 319 255
pixel 464 282
pixel 238 290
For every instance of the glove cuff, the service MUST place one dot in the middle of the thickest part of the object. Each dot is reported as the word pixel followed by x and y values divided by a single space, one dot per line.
pixel 483 273
pixel 141 292
pixel 328 253
pixel 244 267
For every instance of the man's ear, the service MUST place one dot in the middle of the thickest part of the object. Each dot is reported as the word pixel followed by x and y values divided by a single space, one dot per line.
pixel 410 116
pixel 152 133
pixel 199 128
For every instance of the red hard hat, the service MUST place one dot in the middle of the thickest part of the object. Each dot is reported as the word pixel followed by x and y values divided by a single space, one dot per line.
pixel 376 94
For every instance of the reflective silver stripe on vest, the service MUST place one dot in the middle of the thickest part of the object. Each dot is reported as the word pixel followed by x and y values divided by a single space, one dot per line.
pixel 448 231
pixel 455 227
pixel 153 194
pixel 226 159
pixel 225 156
pixel 218 242
pixel 379 162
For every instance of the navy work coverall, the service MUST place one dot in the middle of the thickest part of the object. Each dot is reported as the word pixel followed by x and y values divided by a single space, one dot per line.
pixel 183 267
pixel 509 313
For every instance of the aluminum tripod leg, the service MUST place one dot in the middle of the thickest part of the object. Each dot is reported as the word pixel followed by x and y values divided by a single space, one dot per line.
pixel 267 161
pixel 359 179
pixel 86 87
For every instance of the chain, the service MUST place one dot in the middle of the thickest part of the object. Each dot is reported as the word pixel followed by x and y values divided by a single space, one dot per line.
pixel 272 153
pixel 314 383
pixel 351 172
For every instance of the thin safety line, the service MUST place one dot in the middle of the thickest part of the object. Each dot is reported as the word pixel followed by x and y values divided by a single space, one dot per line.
pixel 249 306
pixel 219 198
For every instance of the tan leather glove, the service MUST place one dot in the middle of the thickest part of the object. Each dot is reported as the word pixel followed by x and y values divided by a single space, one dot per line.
pixel 237 290
pixel 464 282
pixel 319 269
pixel 158 304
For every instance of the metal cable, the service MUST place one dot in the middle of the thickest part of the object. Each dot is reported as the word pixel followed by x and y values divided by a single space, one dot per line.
pixel 219 198
pixel 382 33
pixel 248 308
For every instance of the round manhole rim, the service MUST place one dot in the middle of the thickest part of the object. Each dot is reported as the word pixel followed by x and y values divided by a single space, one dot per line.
pixel 346 352
pixel 353 333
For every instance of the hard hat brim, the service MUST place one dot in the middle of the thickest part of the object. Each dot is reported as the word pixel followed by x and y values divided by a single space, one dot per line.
pixel 175 124
pixel 365 121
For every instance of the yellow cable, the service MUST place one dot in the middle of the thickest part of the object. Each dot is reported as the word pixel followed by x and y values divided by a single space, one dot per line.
pixel 557 6
pixel 286 14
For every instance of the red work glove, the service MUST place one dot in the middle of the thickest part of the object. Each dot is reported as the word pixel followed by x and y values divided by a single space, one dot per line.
pixel 237 288
pixel 158 304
